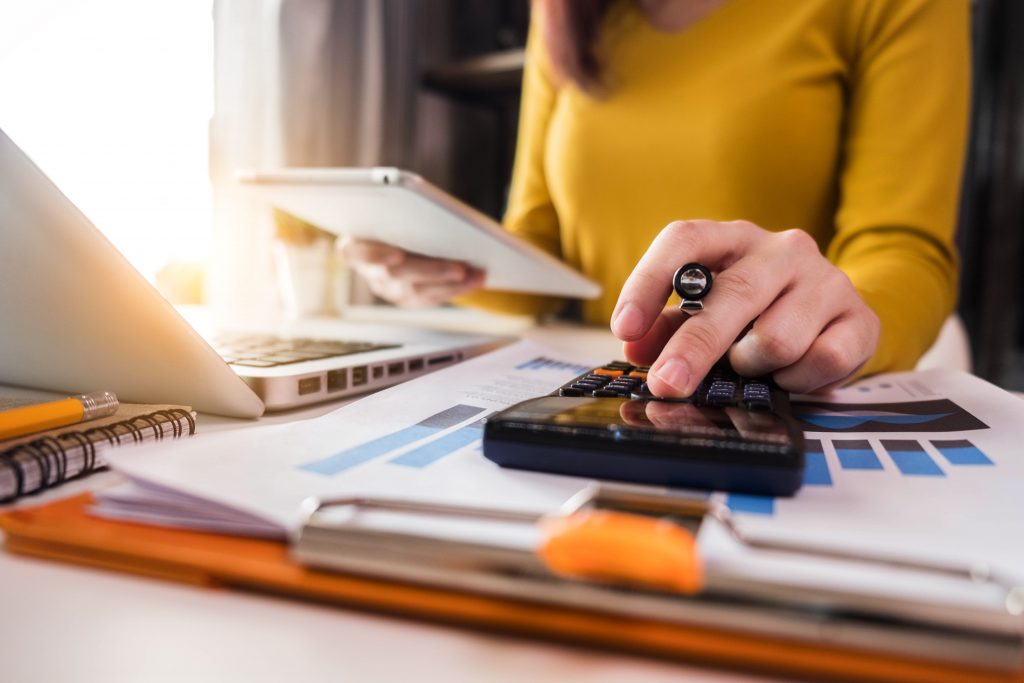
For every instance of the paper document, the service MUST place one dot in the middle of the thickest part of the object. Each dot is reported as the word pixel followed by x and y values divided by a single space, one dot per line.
pixel 924 466
pixel 420 440
pixel 914 466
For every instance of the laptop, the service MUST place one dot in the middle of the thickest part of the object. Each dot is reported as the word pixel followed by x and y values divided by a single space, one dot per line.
pixel 78 317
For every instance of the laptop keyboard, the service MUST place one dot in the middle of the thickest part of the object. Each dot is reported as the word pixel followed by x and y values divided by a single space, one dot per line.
pixel 266 351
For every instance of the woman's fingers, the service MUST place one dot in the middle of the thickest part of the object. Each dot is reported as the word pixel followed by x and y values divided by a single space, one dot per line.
pixel 784 332
pixel 645 350
pixel 650 283
pixel 416 269
pixel 836 354
pixel 740 293
pixel 408 279
pixel 360 252
pixel 810 326
pixel 433 294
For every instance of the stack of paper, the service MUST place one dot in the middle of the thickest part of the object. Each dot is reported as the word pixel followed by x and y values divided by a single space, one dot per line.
pixel 918 468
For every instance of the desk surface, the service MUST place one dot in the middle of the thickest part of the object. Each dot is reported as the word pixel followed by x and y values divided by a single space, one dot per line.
pixel 62 623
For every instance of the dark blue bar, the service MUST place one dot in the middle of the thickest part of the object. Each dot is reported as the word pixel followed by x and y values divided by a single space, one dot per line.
pixel 961 452
pixel 435 450
pixel 911 458
pixel 755 505
pixel 856 455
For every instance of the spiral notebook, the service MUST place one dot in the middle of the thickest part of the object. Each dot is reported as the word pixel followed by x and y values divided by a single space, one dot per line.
pixel 40 461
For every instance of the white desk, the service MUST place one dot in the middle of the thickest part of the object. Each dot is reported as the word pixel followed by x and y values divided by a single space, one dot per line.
pixel 65 623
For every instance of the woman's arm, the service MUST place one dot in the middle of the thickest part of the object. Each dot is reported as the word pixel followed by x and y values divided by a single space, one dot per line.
pixel 901 176
pixel 889 281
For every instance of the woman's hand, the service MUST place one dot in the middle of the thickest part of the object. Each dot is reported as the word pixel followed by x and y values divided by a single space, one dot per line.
pixel 811 328
pixel 407 279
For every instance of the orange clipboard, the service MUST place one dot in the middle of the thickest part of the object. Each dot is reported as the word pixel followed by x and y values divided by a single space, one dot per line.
pixel 64 531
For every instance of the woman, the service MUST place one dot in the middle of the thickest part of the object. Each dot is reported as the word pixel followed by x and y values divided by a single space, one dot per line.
pixel 833 129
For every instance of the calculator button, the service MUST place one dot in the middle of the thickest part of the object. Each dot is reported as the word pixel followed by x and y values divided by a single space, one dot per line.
pixel 757 396
pixel 641 392
pixel 609 372
pixel 570 391
pixel 605 393
pixel 721 393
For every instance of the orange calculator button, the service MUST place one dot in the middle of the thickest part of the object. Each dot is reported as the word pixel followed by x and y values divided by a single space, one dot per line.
pixel 607 372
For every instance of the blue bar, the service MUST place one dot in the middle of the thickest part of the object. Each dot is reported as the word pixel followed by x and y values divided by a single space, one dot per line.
pixel 435 450
pixel 755 505
pixel 357 455
pixel 857 455
pixel 911 458
pixel 961 452
pixel 816 470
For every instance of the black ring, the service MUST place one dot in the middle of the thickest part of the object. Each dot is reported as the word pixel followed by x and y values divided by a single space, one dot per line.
pixel 10 458
pixel 677 284
pixel 188 417
pixel 56 459
pixel 88 451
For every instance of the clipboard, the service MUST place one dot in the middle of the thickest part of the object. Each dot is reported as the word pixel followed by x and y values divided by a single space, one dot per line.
pixel 64 531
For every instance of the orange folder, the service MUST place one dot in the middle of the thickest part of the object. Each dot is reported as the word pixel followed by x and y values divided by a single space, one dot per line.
pixel 64 531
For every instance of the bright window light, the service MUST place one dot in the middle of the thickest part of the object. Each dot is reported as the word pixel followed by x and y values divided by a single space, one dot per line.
pixel 112 99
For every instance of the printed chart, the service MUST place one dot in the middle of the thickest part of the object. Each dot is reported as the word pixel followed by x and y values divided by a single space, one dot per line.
pixel 429 448
pixel 879 450
pixel 442 434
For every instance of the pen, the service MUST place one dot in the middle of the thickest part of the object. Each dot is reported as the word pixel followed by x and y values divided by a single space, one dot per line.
pixel 66 411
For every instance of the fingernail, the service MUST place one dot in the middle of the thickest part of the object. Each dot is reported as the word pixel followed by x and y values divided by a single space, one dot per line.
pixel 628 322
pixel 673 373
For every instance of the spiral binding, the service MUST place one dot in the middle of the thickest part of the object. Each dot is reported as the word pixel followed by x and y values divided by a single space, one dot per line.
pixel 49 454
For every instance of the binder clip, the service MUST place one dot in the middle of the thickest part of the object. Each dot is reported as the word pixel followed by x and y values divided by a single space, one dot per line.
pixel 609 534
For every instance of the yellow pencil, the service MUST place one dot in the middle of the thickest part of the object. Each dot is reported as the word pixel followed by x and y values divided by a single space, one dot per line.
pixel 42 416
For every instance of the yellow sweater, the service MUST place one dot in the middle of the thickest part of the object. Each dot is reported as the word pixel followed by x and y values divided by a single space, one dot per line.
pixel 845 118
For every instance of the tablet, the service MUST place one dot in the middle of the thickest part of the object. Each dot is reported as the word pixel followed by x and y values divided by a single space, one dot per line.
pixel 401 208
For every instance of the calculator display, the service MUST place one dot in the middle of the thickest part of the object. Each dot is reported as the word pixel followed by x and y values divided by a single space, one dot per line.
pixel 643 419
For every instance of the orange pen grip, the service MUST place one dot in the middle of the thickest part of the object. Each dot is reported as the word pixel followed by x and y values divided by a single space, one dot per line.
pixel 623 548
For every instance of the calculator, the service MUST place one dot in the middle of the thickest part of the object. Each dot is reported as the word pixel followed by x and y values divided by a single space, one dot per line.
pixel 733 434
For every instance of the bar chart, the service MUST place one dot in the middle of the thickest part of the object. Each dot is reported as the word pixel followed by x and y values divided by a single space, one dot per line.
pixel 430 452
pixel 935 458
pixel 542 363
pixel 422 431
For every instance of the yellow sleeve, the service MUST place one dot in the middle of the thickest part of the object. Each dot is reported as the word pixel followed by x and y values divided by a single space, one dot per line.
pixel 899 184
pixel 530 214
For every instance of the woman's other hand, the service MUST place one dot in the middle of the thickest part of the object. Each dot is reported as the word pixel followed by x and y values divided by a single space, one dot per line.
pixel 408 279
pixel 811 329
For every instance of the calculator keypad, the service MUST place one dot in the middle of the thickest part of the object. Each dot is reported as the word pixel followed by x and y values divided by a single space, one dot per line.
pixel 722 388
